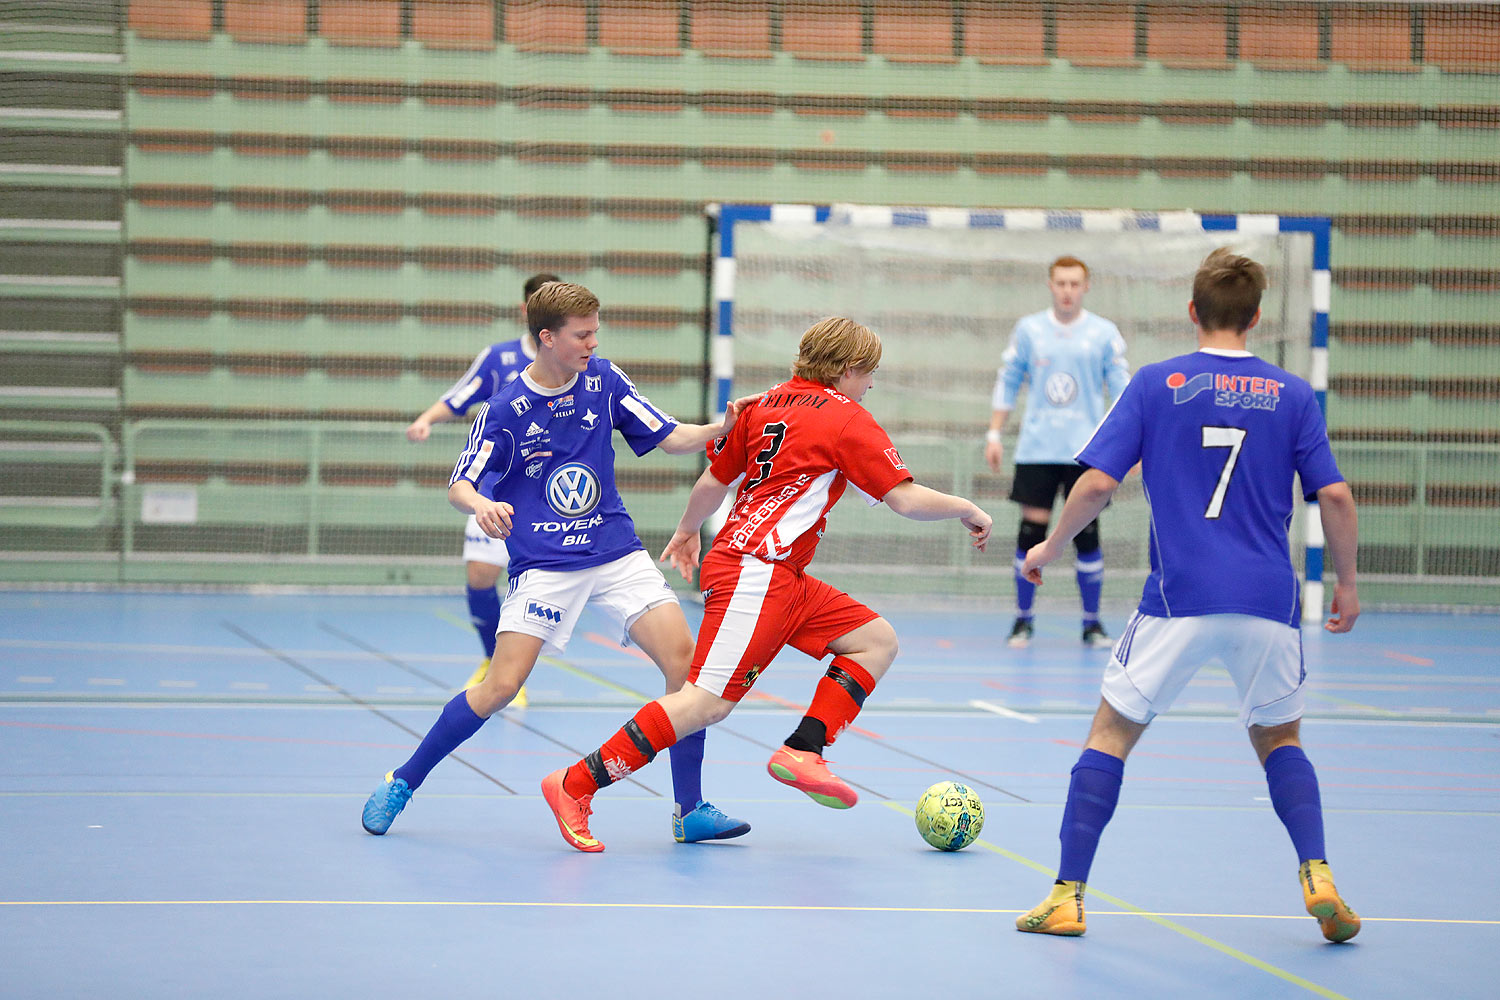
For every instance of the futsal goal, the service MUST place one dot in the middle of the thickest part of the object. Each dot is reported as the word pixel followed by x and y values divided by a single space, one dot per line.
pixel 943 287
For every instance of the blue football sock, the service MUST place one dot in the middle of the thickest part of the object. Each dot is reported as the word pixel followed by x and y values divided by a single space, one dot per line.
pixel 687 770
pixel 1092 795
pixel 457 723
pixel 1025 589
pixel 1294 794
pixel 1090 571
pixel 484 612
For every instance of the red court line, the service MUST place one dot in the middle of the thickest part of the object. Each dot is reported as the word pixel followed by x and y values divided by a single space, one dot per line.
pixel 1420 661
pixel 121 731
pixel 1323 767
pixel 227 738
pixel 784 703
pixel 595 637
pixel 600 640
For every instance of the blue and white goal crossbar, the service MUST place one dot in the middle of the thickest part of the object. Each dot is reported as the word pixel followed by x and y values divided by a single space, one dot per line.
pixel 1320 228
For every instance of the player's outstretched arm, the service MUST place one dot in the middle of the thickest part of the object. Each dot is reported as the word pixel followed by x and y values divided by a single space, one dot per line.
pixel 682 550
pixel 919 503
pixel 1341 536
pixel 1087 499
pixel 493 515
pixel 687 438
pixel 437 413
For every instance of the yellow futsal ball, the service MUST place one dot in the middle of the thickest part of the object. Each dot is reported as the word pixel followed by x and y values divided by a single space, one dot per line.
pixel 950 816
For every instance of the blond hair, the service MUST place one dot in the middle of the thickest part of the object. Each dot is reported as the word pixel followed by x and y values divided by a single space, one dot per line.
pixel 550 305
pixel 832 346
pixel 1226 291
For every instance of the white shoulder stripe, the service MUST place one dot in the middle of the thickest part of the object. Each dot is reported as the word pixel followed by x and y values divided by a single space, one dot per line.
pixel 644 412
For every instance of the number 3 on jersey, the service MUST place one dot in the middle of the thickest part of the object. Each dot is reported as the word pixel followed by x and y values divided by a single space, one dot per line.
pixel 776 433
pixel 1223 437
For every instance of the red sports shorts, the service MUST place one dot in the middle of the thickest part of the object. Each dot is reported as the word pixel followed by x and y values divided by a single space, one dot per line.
pixel 752 609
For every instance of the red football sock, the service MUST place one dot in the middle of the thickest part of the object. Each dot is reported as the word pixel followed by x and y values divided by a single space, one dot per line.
pixel 632 748
pixel 840 695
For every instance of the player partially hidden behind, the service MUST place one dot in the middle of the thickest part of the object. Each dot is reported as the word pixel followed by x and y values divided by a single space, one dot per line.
pixel 1220 435
pixel 794 450
pixel 484 557
pixel 539 471
pixel 1070 358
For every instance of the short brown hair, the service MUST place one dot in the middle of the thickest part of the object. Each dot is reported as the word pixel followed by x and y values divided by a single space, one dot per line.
pixel 833 345
pixel 549 306
pixel 1226 291
pixel 534 282
pixel 1068 261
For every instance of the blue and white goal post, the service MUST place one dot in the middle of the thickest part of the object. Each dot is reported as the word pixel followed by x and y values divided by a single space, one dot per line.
pixel 765 293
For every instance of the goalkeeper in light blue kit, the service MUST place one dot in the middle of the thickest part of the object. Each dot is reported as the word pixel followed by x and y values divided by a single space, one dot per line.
pixel 1221 437
pixel 539 472
pixel 1071 360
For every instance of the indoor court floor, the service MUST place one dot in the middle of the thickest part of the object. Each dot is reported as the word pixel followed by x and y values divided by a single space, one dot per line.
pixel 181 777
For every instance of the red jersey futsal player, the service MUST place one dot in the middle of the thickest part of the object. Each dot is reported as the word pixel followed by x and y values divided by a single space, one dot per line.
pixel 794 450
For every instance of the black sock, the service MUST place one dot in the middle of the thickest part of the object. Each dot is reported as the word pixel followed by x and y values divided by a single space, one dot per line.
pixel 811 736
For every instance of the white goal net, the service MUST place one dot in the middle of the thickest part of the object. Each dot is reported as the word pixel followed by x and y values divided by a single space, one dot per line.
pixel 944 288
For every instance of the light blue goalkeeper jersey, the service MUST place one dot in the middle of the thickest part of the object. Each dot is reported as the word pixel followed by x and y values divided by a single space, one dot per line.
pixel 1069 368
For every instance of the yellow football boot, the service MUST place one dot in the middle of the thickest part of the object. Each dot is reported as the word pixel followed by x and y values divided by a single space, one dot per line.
pixel 1060 913
pixel 1338 922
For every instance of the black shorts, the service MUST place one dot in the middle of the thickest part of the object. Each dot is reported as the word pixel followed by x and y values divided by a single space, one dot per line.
pixel 1037 485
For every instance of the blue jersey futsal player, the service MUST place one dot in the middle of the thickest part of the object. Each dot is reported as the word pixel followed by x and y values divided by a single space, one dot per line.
pixel 1220 436
pixel 1071 359
pixel 484 557
pixel 539 472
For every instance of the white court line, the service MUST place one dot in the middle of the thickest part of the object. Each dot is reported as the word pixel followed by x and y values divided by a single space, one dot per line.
pixel 36 680
pixel 201 650
pixel 990 706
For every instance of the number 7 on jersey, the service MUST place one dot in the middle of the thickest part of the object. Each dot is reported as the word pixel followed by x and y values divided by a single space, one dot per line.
pixel 1223 437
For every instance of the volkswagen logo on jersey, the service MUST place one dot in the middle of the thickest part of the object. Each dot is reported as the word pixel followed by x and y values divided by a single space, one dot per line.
pixel 573 490
pixel 1061 388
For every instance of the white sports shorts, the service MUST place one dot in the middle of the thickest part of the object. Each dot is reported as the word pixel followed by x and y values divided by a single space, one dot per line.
pixel 1156 657
pixel 479 547
pixel 546 603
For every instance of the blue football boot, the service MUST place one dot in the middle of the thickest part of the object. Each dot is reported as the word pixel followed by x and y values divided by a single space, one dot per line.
pixel 386 803
pixel 705 822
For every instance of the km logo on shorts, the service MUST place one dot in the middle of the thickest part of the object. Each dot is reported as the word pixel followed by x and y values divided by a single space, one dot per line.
pixel 546 612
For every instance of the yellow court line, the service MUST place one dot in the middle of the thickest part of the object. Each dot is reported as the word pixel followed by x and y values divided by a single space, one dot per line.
pixel 779 907
pixel 1350 703
pixel 553 661
pixel 452 619
pixel 1186 932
